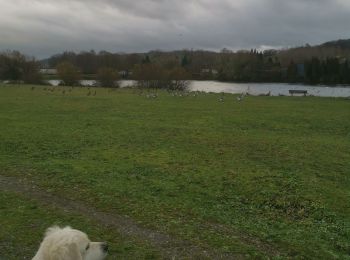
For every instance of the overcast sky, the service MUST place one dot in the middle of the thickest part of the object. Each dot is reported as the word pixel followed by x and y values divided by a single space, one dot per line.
pixel 45 27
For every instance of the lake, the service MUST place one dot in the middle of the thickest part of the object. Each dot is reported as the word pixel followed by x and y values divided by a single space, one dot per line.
pixel 275 89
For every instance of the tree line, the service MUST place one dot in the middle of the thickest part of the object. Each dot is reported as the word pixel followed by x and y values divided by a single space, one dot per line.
pixel 323 64
pixel 147 75
pixel 17 67
pixel 269 67
pixel 316 71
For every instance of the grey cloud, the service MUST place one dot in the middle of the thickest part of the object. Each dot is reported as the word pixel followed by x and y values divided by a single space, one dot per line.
pixel 45 27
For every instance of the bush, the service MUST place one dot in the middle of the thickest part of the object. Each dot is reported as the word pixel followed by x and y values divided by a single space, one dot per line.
pixel 68 73
pixel 31 73
pixel 154 76
pixel 16 67
pixel 150 76
pixel 179 79
pixel 107 77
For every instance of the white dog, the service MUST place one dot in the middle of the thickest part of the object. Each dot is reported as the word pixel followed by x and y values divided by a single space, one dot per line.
pixel 69 244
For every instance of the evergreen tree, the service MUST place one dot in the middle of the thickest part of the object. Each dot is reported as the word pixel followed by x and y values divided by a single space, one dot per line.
pixel 292 72
pixel 184 61
pixel 146 60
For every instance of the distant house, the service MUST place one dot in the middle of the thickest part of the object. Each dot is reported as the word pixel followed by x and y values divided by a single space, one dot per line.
pixel 196 75
pixel 48 71
pixel 209 71
pixel 125 73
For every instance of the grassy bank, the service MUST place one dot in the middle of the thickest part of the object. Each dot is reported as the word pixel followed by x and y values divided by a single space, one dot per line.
pixel 268 176
pixel 23 224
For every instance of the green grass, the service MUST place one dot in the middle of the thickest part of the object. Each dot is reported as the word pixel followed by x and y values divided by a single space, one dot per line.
pixel 221 174
pixel 23 224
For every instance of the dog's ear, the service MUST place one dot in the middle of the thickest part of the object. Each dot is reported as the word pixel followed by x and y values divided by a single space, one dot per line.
pixel 51 230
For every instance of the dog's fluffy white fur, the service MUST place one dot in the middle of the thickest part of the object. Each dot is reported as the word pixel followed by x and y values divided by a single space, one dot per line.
pixel 69 244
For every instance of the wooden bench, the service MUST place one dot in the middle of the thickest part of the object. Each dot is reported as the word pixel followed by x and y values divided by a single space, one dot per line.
pixel 295 91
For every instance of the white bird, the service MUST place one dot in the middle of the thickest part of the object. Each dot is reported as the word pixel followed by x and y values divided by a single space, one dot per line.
pixel 241 97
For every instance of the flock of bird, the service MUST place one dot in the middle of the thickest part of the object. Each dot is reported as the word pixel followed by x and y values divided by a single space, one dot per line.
pixel 149 94
pixel 154 94
pixel 53 89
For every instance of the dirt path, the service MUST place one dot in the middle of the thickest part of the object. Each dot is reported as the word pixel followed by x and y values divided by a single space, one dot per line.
pixel 169 247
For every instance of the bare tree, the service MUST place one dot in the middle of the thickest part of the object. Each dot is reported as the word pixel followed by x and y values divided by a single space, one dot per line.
pixel 107 77
pixel 68 73
pixel 179 79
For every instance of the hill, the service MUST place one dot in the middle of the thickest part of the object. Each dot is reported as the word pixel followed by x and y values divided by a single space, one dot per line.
pixel 343 44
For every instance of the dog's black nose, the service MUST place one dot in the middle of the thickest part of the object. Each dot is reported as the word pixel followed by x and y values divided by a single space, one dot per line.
pixel 104 247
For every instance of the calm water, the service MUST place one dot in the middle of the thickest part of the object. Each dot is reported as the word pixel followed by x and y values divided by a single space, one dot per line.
pixel 275 89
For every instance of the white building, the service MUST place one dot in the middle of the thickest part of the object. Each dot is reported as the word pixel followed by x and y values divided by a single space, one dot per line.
pixel 48 71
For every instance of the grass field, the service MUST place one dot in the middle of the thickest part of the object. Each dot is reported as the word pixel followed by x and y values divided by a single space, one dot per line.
pixel 268 177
